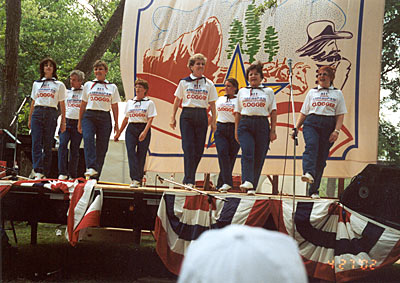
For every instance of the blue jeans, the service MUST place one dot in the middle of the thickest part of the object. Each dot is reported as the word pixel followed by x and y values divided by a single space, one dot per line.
pixel 136 150
pixel 253 133
pixel 96 123
pixel 227 149
pixel 43 127
pixel 316 132
pixel 65 166
pixel 193 124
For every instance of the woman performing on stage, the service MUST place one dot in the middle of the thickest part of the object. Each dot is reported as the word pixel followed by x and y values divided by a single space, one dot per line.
pixel 73 103
pixel 139 112
pixel 322 117
pixel 98 98
pixel 195 92
pixel 46 94
pixel 227 146
pixel 252 129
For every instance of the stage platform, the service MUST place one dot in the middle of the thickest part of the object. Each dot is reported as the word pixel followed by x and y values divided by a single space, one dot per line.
pixel 336 243
pixel 120 207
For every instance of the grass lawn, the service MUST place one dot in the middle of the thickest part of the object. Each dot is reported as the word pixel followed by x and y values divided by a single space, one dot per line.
pixel 54 260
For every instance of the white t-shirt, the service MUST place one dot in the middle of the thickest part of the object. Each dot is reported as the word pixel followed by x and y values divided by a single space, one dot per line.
pixel 255 101
pixel 73 103
pixel 140 111
pixel 100 96
pixel 322 101
pixel 196 92
pixel 48 92
pixel 225 108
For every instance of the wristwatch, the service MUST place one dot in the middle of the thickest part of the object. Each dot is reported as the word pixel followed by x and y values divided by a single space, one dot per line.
pixel 337 131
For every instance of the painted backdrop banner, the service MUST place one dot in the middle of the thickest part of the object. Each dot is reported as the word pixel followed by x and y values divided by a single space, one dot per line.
pixel 159 36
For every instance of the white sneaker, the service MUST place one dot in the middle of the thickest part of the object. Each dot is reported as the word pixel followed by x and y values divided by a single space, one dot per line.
pixel 62 177
pixel 39 176
pixel 225 188
pixel 90 173
pixel 189 185
pixel 251 192
pixel 246 186
pixel 315 196
pixel 307 177
pixel 134 184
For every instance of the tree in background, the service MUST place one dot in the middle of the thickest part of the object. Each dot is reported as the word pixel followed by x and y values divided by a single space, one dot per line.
pixel 390 73
pixel 265 5
pixel 9 86
pixel 389 135
pixel 58 29
pixel 103 41
pixel 389 142
pixel 68 33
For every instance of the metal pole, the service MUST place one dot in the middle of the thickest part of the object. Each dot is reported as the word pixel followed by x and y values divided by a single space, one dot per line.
pixel 15 119
pixel 295 143
pixel 161 179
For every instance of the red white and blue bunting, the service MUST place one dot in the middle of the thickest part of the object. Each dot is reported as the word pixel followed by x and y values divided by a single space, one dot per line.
pixel 336 244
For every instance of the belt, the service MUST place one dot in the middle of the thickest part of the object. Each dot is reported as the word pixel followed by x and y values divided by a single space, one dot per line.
pixel 322 116
pixel 45 107
pixel 94 110
pixel 195 108
pixel 253 117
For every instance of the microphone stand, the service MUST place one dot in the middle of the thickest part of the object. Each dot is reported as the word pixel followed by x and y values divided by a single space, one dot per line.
pixel 15 168
pixel 295 143
pixel 209 196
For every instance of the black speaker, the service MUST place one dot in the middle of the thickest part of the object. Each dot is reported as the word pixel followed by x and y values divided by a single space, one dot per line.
pixel 375 193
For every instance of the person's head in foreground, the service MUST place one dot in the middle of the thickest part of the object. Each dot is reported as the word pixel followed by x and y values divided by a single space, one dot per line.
pixel 242 254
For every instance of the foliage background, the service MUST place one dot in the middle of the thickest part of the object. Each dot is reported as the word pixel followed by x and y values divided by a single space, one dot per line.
pixel 389 131
pixel 62 30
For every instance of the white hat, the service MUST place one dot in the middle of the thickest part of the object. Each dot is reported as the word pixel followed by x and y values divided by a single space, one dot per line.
pixel 240 253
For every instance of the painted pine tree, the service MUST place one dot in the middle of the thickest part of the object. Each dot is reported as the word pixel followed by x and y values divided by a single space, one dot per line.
pixel 235 37
pixel 253 25
pixel 271 43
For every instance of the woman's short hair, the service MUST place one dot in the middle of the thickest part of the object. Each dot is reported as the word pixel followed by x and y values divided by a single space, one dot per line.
pixel 79 74
pixel 100 63
pixel 143 83
pixel 234 82
pixel 329 70
pixel 44 62
pixel 195 57
pixel 255 66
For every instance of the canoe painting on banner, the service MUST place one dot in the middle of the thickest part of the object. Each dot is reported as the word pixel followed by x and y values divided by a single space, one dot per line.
pixel 158 37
